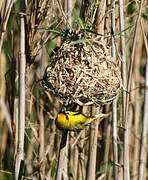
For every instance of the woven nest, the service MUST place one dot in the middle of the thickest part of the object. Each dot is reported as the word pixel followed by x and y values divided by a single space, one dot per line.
pixel 83 72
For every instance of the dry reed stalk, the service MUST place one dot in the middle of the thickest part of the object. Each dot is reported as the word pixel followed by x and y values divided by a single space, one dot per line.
pixel 29 154
pixel 107 126
pixel 101 17
pixel 80 171
pixel 115 150
pixel 2 7
pixel 69 9
pixel 66 160
pixel 107 132
pixel 92 155
pixel 49 152
pixel 143 146
pixel 82 155
pixel 61 156
pixel 29 157
pixel 74 155
pixel 4 21
pixel 123 54
pixel 114 104
pixel 52 141
pixel 41 16
pixel 121 163
pixel 10 86
pixel 42 144
pixel 62 12
pixel 130 127
pixel 21 116
pixel 144 32
pixel 138 53
pixel 75 160
pixel 102 176
pixel 71 153
pixel 91 170
pixel 126 148
pixel 5 113
pixel 136 139
pixel 3 148
pixel 41 121
pixel 2 77
pixel 110 173
pixel 124 94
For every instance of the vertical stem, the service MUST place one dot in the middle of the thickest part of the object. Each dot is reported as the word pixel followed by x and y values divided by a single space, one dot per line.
pixel 137 110
pixel 86 4
pixel 126 147
pixel 115 150
pixel 82 162
pixel 4 22
pixel 113 29
pixel 91 168
pixel 68 10
pixel 143 150
pixel 41 149
pixel 124 94
pixel 61 158
pixel 74 156
pixel 91 172
pixel 100 17
pixel 143 147
pixel 114 105
pixel 107 130
pixel 21 115
pixel 6 113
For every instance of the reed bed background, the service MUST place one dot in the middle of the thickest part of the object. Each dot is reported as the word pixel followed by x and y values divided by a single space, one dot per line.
pixel 30 144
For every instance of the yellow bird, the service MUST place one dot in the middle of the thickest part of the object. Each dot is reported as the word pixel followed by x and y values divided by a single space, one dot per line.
pixel 72 121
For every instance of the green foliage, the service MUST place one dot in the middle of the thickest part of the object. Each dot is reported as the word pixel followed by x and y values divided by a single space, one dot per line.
pixel 70 171
pixel 51 45
pixel 131 7
pixel 103 169
pixel 76 12
pixel 50 30
pixel 8 161
pixel 53 167
pixel 7 175
pixel 145 13
pixel 7 52
pixel 14 18
pixel 78 41
pixel 81 23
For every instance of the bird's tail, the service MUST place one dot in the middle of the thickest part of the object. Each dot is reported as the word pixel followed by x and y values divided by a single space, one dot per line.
pixel 98 116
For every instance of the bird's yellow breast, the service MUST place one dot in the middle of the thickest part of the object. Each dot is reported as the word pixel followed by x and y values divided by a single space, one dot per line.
pixel 70 121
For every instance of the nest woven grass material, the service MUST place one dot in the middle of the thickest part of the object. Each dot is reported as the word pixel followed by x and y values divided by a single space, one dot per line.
pixel 83 72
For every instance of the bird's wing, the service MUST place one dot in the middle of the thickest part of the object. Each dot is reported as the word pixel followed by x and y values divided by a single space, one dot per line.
pixel 101 115
pixel 72 113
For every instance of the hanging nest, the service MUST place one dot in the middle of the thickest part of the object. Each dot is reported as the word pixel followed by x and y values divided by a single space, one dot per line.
pixel 83 71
